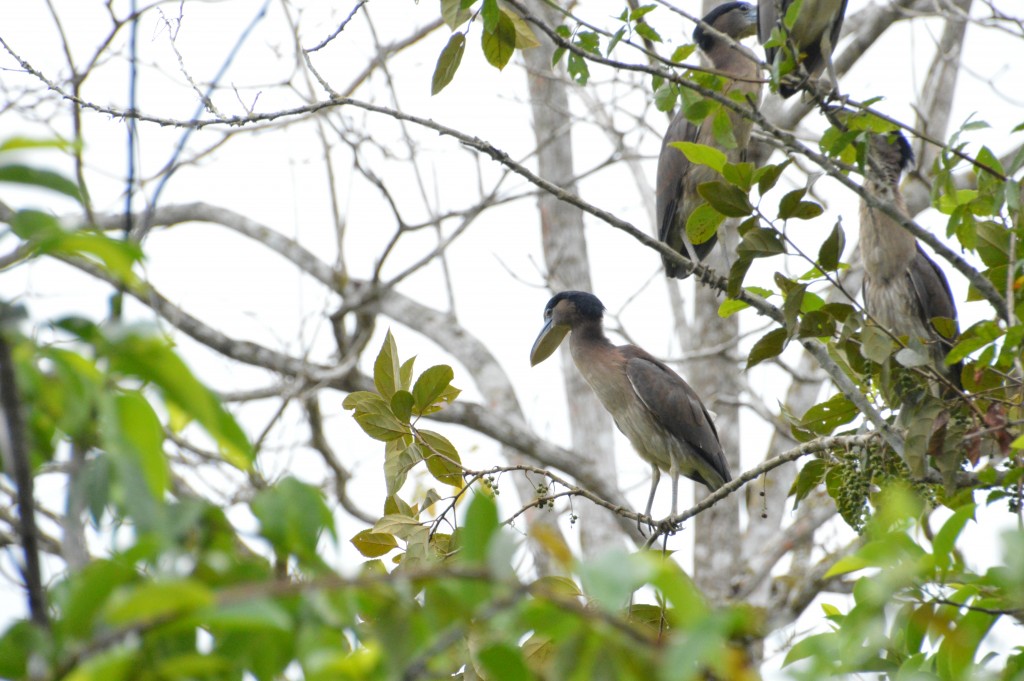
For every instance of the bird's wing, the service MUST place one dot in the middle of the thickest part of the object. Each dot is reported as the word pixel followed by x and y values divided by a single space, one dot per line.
pixel 766 20
pixel 934 299
pixel 677 408
pixel 931 289
pixel 673 167
pixel 675 193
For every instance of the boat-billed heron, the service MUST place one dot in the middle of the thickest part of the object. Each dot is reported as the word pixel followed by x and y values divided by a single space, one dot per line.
pixel 652 405
pixel 904 290
pixel 676 191
pixel 810 41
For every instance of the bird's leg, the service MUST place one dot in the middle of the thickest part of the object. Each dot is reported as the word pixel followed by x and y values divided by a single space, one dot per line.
pixel 655 478
pixel 826 49
pixel 674 472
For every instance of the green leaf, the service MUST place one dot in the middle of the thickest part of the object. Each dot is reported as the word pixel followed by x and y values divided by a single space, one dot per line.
pixel 721 130
pixel 769 345
pixel 490 13
pixel 46 179
pixel 824 418
pixel 386 369
pixel 19 142
pixel 767 176
pixel 702 154
pixel 647 31
pixel 791 207
pixel 431 385
pixel 500 44
pixel 374 544
pixel 945 538
pixel 831 252
pixel 153 360
pixel 703 224
pixel 727 199
pixel 87 592
pixel 35 226
pixel 454 15
pixel 442 459
pixel 250 615
pixel 760 243
pixel 683 52
pixel 141 436
pixel 381 424
pixel 876 344
pixel 292 517
pixel 525 37
pixel 480 526
pixel 401 405
pixel 505 662
pixel 807 480
pixel 448 62
pixel 152 601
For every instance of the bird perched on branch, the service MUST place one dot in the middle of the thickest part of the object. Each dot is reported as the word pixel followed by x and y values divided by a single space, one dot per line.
pixel 658 412
pixel 809 42
pixel 676 191
pixel 904 290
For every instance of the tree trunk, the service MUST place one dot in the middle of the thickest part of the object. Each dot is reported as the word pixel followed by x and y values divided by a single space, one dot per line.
pixel 565 255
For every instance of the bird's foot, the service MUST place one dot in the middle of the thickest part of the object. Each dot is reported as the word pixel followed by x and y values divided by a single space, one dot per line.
pixel 645 519
pixel 667 526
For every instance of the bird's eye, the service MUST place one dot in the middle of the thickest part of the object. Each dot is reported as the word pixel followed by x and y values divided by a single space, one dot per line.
pixel 547 313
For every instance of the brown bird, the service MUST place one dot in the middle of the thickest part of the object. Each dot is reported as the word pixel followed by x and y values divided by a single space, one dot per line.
pixel 676 194
pixel 812 38
pixel 903 288
pixel 652 405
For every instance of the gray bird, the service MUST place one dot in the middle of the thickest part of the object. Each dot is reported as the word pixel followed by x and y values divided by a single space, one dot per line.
pixel 903 288
pixel 652 405
pixel 676 194
pixel 813 37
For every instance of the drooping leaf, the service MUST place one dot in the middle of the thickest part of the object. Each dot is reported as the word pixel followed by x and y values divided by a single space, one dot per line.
pixel 769 345
pixel 292 517
pixel 374 544
pixel 702 154
pixel 831 251
pixel 441 458
pixel 448 62
pixel 703 224
pixel 500 44
pixel 727 199
pixel 36 177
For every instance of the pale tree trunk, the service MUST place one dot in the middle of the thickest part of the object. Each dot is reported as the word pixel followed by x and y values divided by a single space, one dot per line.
pixel 717 540
pixel 565 255
pixel 934 105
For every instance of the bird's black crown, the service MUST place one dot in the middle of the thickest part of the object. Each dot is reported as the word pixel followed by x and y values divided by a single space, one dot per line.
pixel 587 304
pixel 906 153
pixel 705 39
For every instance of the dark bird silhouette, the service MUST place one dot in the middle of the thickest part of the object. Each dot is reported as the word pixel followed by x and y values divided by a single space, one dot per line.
pixel 676 191
pixel 651 404
pixel 903 288
pixel 811 40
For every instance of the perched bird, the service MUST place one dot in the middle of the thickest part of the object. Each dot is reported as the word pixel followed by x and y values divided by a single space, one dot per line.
pixel 661 415
pixel 676 194
pixel 811 39
pixel 903 288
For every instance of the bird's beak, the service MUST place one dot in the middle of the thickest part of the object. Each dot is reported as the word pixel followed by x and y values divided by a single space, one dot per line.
pixel 547 342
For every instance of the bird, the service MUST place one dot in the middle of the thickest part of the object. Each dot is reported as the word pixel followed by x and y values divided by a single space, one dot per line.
pixel 811 39
pixel 676 194
pixel 659 413
pixel 904 289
